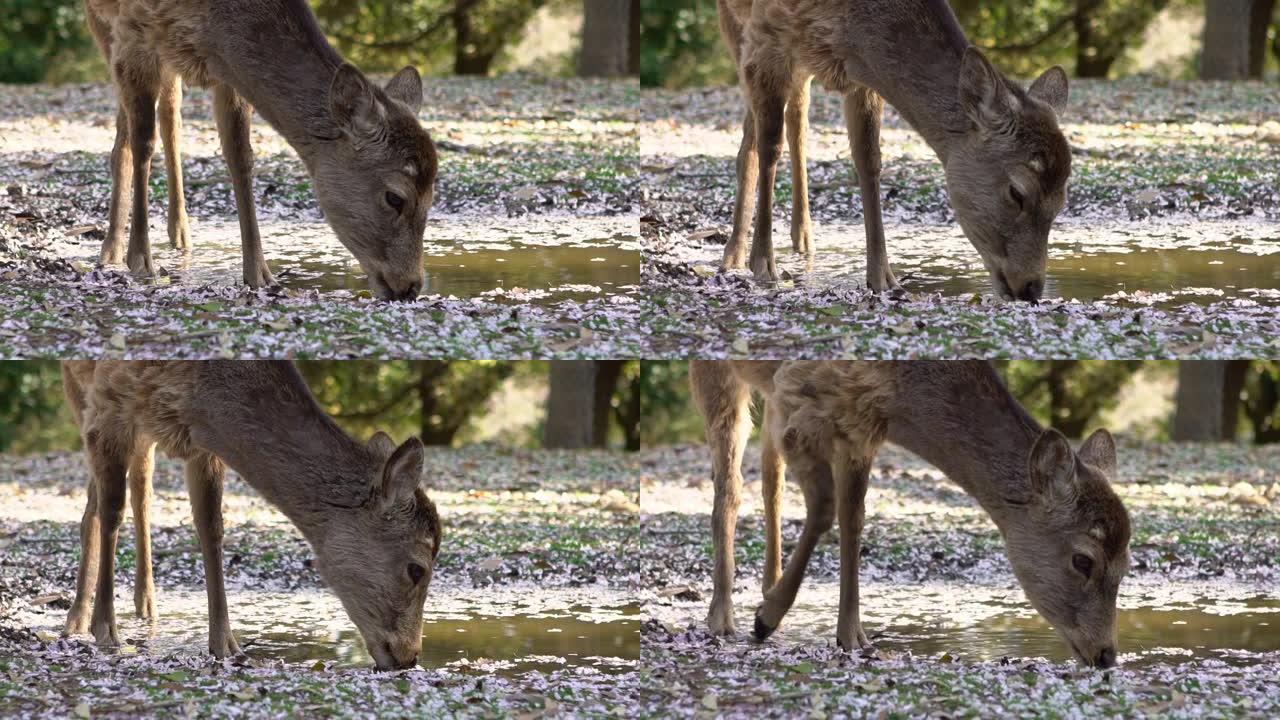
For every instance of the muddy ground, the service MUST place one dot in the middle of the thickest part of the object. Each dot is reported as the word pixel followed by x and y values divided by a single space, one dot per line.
pixel 532 247
pixel 1167 246
pixel 1199 620
pixel 531 611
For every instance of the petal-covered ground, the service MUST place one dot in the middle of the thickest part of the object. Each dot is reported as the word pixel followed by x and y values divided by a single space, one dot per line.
pixel 532 246
pixel 1199 609
pixel 1167 246
pixel 537 563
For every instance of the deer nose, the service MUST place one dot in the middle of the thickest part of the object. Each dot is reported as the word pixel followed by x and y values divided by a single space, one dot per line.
pixel 1106 658
pixel 399 289
pixel 1030 292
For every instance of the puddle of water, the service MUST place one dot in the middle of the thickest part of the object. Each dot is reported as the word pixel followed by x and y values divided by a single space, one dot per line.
pixel 509 633
pixel 982 623
pixel 1189 262
pixel 549 259
pixel 1147 635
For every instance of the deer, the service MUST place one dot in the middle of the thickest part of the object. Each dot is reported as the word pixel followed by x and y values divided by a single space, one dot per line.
pixel 372 165
pixel 1065 531
pixel 360 506
pixel 1005 159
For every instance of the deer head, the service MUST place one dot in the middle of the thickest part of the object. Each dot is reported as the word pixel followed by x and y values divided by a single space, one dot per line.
pixel 379 557
pixel 1007 175
pixel 1070 548
pixel 376 180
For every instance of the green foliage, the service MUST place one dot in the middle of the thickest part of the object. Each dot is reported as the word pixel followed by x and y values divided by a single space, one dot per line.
pixel 668 414
pixel 1068 394
pixel 680 45
pixel 35 32
pixel 33 414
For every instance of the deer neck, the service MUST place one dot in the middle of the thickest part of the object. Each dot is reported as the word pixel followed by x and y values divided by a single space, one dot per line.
pixel 919 75
pixel 977 434
pixel 286 80
pixel 268 428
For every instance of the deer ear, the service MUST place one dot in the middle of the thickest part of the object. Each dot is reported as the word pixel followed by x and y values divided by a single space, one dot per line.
pixel 352 104
pixel 1100 451
pixel 406 87
pixel 381 445
pixel 983 95
pixel 402 473
pixel 1053 465
pixel 1051 88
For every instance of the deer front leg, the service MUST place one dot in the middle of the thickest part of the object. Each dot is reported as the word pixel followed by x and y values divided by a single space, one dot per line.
pixel 170 135
pixel 767 103
pixel 232 115
pixel 815 479
pixel 204 485
pixel 724 402
pixel 109 474
pixel 744 199
pixel 863 109
pixel 138 78
pixel 850 476
pixel 773 479
pixel 797 137
pixel 86 574
pixel 121 187
pixel 140 468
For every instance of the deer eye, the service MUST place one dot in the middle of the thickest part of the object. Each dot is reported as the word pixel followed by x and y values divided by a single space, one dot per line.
pixel 395 201
pixel 1083 564
pixel 1016 196
pixel 416 572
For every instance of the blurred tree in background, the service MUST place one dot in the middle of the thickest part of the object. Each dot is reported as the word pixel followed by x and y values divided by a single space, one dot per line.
pixel 443 402
pixel 33 414
pixel 38 34
pixel 48 40
pixel 1068 395
pixel 1090 38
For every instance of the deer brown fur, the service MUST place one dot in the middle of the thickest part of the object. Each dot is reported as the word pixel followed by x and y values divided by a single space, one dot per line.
pixel 1066 533
pixel 1005 159
pixel 374 531
pixel 372 164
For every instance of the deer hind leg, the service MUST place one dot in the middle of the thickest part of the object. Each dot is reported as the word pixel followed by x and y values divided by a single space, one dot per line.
pixel 137 75
pixel 797 120
pixel 109 466
pixel 744 199
pixel 86 574
pixel 767 105
pixel 140 468
pixel 723 400
pixel 851 476
pixel 205 474
pixel 121 188
pixel 814 476
pixel 773 479
pixel 170 113
pixel 863 110
pixel 232 114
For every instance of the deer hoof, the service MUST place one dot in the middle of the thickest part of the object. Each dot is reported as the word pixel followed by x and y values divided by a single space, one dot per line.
pixel 106 634
pixel 720 622
pixel 180 235
pixel 762 630
pixel 77 624
pixel 141 267
pixel 145 607
pixel 225 646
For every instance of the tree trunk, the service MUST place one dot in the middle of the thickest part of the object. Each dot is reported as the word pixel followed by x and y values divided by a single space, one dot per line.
pixel 571 404
pixel 468 59
pixel 1225 53
pixel 429 374
pixel 607 373
pixel 606 34
pixel 1259 22
pixel 1208 400
pixel 633 41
